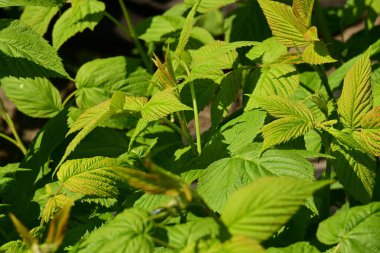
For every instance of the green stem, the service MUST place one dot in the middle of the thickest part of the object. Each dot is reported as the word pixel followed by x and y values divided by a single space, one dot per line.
pixel 172 125
pixel 68 98
pixel 133 35
pixel 195 109
pixel 185 131
pixel 325 81
pixel 162 243
pixel 336 249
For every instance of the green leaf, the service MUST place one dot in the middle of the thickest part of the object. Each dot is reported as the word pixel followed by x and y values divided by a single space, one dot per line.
pixel 261 208
pixel 356 98
pixel 97 80
pixel 299 247
pixel 91 176
pixel 82 15
pixel 284 25
pixel 162 104
pixel 46 3
pixel 24 53
pixel 269 50
pixel 35 97
pixel 354 230
pixel 160 26
pixel 223 177
pixel 54 204
pixel 209 5
pixel 87 122
pixel 38 17
pixel 355 170
pixel 128 232
pixel 225 96
pixel 369 133
pixel 280 79
pixel 10 168
pixel 303 9
pixel 296 119
pixel 237 244
pixel 317 53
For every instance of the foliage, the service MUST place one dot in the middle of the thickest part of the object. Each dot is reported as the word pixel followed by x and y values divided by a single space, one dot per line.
pixel 119 168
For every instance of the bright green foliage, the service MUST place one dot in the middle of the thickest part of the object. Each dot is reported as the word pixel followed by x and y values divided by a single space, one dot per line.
pixel 162 104
pixel 35 97
pixel 317 53
pixel 237 244
pixel 90 176
pixel 23 53
pixel 223 177
pixel 209 5
pixel 161 26
pixel 46 3
pixel 283 23
pixel 369 133
pixel 296 119
pixel 257 211
pixel 356 98
pixel 280 79
pixel 269 50
pixel 38 17
pixel 356 171
pixel 299 247
pixel 128 232
pixel 302 9
pixel 97 80
pixel 87 122
pixel 353 230
pixel 82 15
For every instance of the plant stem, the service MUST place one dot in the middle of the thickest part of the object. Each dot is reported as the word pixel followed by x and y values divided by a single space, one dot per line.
pixel 325 82
pixel 195 109
pixel 172 125
pixel 185 131
pixel 336 249
pixel 68 98
pixel 133 35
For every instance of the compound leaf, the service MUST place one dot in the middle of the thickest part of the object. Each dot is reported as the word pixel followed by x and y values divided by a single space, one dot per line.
pixel 82 15
pixel 24 53
pixel 354 230
pixel 38 17
pixel 128 232
pixel 284 25
pixel 356 98
pixel 261 208
pixel 91 176
pixel 35 97
pixel 162 104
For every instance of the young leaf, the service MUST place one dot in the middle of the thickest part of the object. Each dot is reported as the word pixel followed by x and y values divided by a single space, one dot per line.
pixel 295 120
pixel 160 26
pixel 353 230
pixel 24 53
pixel 35 97
pixel 355 170
pixel 162 104
pixel 316 53
pixel 261 208
pixel 97 80
pixel 54 204
pixel 303 9
pixel 82 15
pixel 269 50
pixel 91 176
pixel 221 178
pixel 46 3
pixel 280 79
pixel 38 17
pixel 90 119
pixel 284 25
pixel 128 232
pixel 369 132
pixel 356 98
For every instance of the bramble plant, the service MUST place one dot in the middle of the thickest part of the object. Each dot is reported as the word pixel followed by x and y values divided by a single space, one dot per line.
pixel 117 168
